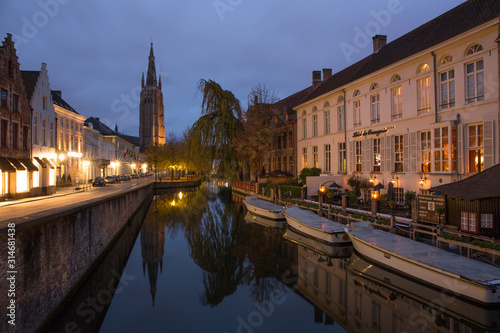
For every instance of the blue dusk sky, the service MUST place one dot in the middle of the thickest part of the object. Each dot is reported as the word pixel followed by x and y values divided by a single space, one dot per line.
pixel 96 51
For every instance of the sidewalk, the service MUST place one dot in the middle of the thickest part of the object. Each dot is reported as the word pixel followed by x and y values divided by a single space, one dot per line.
pixel 60 191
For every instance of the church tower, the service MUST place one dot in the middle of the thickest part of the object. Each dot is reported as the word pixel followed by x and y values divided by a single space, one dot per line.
pixel 152 122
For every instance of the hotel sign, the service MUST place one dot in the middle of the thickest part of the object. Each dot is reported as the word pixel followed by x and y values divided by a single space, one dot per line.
pixel 372 132
pixel 426 207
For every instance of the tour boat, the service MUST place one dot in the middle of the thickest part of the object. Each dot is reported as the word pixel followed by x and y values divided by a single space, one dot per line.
pixel 463 276
pixel 318 246
pixel 264 208
pixel 309 223
pixel 264 221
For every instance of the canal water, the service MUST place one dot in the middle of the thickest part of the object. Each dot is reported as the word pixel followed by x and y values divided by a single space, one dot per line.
pixel 198 262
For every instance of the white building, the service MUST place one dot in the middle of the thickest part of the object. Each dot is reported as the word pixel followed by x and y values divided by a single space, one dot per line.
pixel 43 149
pixel 420 111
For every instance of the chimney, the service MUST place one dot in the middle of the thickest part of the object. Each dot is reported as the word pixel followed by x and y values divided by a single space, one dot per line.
pixel 316 79
pixel 379 42
pixel 97 118
pixel 327 72
pixel 57 93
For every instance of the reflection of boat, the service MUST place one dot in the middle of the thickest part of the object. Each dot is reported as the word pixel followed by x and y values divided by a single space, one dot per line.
pixel 270 223
pixel 318 246
pixel 461 275
pixel 264 208
pixel 311 224
pixel 399 289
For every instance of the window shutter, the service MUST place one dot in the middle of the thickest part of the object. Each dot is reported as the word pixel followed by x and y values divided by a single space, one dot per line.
pixel 488 144
pixel 389 149
pixel 366 154
pixel 351 156
pixel 382 154
pixel 460 150
pixel 413 152
pixel 406 153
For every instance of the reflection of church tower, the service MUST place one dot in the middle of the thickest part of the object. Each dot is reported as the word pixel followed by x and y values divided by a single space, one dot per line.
pixel 152 123
pixel 152 248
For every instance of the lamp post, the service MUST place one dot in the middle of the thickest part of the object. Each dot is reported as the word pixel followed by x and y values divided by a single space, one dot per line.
pixel 322 190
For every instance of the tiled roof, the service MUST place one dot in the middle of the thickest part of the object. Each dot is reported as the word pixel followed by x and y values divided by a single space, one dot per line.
pixel 29 79
pixel 286 104
pixel 482 185
pixel 458 20
pixel 132 139
pixel 98 126
pixel 57 100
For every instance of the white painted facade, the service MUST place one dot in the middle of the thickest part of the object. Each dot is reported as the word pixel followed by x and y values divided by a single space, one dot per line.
pixel 446 144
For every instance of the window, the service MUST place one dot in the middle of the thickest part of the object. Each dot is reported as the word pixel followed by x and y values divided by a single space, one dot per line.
pixel 425 151
pixel 444 144
pixel 358 166
pixel 327 122
pixel 61 139
pixel 487 221
pixel 67 142
pixel 26 131
pixel 290 161
pixel 3 98
pixel 398 153
pixel 342 291
pixel 44 132
pixel 341 118
pixel 397 103
pixel 374 86
pixel 357 113
pixel 474 81
pixel 278 167
pixel 44 102
pixel 447 88
pixel 395 78
pixel 423 68
pixel 290 139
pixel 474 49
pixel 375 108
pixel 315 156
pixel 304 158
pixel 328 158
pixel 4 124
pixel 468 222
pixel 424 95
pixel 399 194
pixel 35 130
pixel 314 109
pixel 15 102
pixel 52 134
pixel 376 316
pixel 342 157
pixel 304 128
pixel 376 155
pixel 316 276
pixel 356 93
pixel 328 284
pixel 446 59
pixel 327 104
pixel 476 148
pixel 315 125
pixel 15 135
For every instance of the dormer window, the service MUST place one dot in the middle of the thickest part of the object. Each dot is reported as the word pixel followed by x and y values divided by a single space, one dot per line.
pixel 474 49
pixel 423 68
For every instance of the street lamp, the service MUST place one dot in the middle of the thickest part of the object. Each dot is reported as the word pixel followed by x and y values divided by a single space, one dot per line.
pixel 422 178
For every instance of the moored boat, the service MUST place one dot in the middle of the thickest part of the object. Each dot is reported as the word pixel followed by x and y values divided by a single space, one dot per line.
pixel 309 223
pixel 264 208
pixel 318 246
pixel 463 276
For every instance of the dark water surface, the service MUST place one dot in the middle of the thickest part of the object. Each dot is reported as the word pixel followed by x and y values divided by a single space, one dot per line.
pixel 195 264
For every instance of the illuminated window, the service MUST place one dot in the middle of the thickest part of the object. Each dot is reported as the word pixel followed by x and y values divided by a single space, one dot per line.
pixel 21 181
pixel 304 158
pixel 398 153
pixel 358 150
pixel 315 156
pixel 342 157
pixel 425 151
pixel 376 155
pixel 423 68
pixel 476 148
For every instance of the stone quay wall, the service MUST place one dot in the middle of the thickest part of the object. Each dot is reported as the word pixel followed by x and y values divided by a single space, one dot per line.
pixel 54 253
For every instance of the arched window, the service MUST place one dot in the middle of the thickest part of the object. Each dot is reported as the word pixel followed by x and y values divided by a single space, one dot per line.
pixel 395 78
pixel 304 112
pixel 327 104
pixel 315 109
pixel 356 93
pixel 474 49
pixel 340 99
pixel 446 59
pixel 374 86
pixel 423 68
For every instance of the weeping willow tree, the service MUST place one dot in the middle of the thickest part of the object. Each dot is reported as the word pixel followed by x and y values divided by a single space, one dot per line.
pixel 212 136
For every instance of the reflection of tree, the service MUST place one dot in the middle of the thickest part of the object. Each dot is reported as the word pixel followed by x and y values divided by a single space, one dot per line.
pixel 217 246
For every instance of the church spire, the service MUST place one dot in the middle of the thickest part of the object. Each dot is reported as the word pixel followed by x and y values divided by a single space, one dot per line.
pixel 151 76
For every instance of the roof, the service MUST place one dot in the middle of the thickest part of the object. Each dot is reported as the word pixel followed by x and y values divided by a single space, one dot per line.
pixel 57 100
pixel 98 126
pixel 456 21
pixel 287 104
pixel 482 185
pixel 30 79
pixel 132 139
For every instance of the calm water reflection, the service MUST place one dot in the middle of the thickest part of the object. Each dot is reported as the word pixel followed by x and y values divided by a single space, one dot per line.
pixel 198 265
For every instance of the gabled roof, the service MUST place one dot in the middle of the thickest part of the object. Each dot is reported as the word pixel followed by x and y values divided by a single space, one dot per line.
pixel 132 139
pixel 287 104
pixel 29 79
pixel 456 21
pixel 100 127
pixel 57 100
pixel 482 185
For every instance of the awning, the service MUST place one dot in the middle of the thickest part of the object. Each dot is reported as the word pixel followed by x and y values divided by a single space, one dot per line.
pixel 5 165
pixel 49 164
pixel 28 164
pixel 15 162
pixel 54 163
pixel 39 160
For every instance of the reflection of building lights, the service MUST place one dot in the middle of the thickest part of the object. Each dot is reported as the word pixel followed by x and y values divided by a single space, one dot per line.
pixel 180 195
pixel 73 154
pixel 173 202
pixel 86 163
pixel 62 157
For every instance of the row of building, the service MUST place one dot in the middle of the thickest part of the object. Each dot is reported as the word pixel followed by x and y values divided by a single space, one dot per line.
pixel 420 111
pixel 44 141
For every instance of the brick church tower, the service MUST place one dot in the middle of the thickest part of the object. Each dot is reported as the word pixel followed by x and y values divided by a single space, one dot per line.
pixel 152 122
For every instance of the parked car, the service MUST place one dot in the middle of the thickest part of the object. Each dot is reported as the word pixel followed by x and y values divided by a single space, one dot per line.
pixel 143 174
pixel 118 178
pixel 99 181
pixel 110 179
pixel 128 177
pixel 135 176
